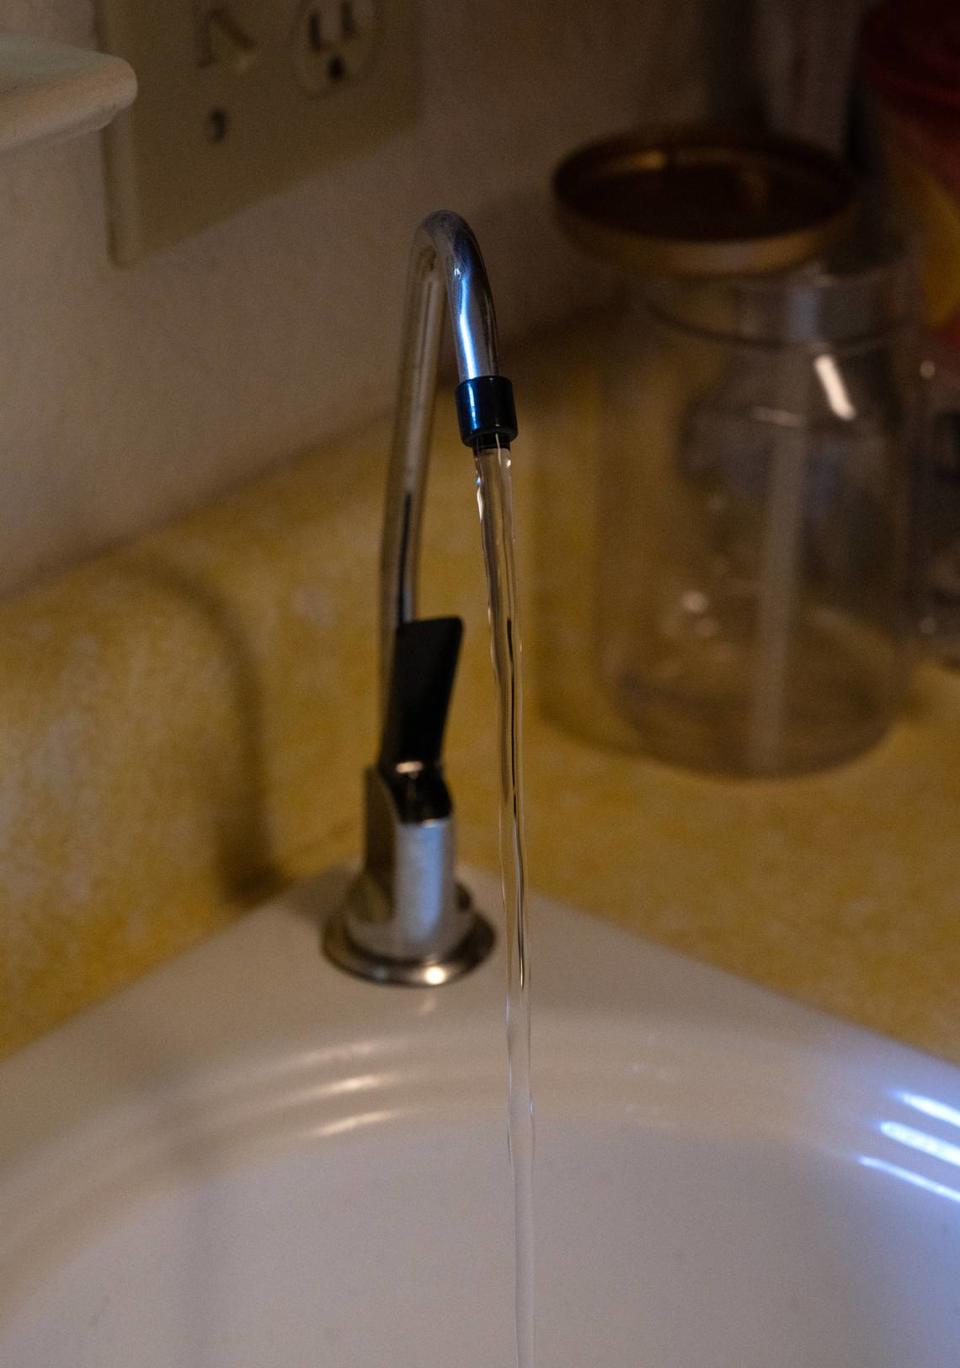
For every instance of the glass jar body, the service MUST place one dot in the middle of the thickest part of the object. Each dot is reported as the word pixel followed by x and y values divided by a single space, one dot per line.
pixel 753 495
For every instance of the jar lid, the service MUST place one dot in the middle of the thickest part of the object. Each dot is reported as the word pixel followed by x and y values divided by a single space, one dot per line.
pixel 703 201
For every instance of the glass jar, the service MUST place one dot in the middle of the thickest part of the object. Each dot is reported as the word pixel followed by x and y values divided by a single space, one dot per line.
pixel 754 483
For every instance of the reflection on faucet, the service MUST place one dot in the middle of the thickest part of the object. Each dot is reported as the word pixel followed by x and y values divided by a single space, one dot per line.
pixel 406 920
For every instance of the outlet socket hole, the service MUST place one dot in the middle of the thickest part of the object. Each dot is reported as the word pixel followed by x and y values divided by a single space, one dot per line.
pixel 336 69
pixel 315 31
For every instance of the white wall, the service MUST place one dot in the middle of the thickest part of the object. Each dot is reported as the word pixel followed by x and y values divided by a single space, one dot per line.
pixel 128 396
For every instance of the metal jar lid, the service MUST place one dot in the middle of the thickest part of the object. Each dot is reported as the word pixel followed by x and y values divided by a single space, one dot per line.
pixel 703 201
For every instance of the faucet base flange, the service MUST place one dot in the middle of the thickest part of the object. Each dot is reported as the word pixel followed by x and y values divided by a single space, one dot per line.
pixel 343 951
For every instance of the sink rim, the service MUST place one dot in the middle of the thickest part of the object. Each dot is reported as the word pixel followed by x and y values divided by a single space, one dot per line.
pixel 251 1039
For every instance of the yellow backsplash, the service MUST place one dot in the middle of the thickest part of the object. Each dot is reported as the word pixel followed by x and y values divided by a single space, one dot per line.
pixel 182 728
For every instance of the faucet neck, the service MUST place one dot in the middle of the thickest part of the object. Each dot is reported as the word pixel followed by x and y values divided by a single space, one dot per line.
pixel 445 261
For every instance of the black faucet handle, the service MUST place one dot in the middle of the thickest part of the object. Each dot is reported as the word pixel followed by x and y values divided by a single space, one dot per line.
pixel 425 654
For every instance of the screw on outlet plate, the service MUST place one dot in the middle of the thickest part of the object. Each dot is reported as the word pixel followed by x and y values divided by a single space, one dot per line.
pixel 333 41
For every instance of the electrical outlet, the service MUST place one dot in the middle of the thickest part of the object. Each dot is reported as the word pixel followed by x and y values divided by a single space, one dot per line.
pixel 334 41
pixel 241 98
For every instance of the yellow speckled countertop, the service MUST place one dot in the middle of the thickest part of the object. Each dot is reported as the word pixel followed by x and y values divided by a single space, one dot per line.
pixel 183 724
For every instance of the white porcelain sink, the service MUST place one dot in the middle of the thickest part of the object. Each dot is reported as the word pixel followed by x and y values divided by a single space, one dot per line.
pixel 251 1161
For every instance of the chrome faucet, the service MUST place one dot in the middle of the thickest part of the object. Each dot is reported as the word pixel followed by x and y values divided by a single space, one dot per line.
pixel 405 918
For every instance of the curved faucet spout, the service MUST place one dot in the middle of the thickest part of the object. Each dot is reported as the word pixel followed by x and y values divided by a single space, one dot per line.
pixel 405 918
pixel 445 261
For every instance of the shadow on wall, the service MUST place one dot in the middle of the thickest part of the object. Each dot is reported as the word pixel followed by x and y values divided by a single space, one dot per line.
pixel 533 271
pixel 237 791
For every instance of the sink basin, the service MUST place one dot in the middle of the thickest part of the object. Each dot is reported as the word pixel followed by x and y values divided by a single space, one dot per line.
pixel 249 1160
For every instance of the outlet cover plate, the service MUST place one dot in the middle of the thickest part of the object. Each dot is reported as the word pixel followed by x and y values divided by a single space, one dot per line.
pixel 208 135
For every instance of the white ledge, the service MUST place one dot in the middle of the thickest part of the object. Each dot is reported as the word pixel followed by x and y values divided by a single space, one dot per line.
pixel 50 92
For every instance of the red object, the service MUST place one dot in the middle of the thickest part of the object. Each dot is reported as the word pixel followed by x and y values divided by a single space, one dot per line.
pixel 911 55
pixel 910 58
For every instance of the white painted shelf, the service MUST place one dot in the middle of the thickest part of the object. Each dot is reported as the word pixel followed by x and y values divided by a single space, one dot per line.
pixel 50 92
